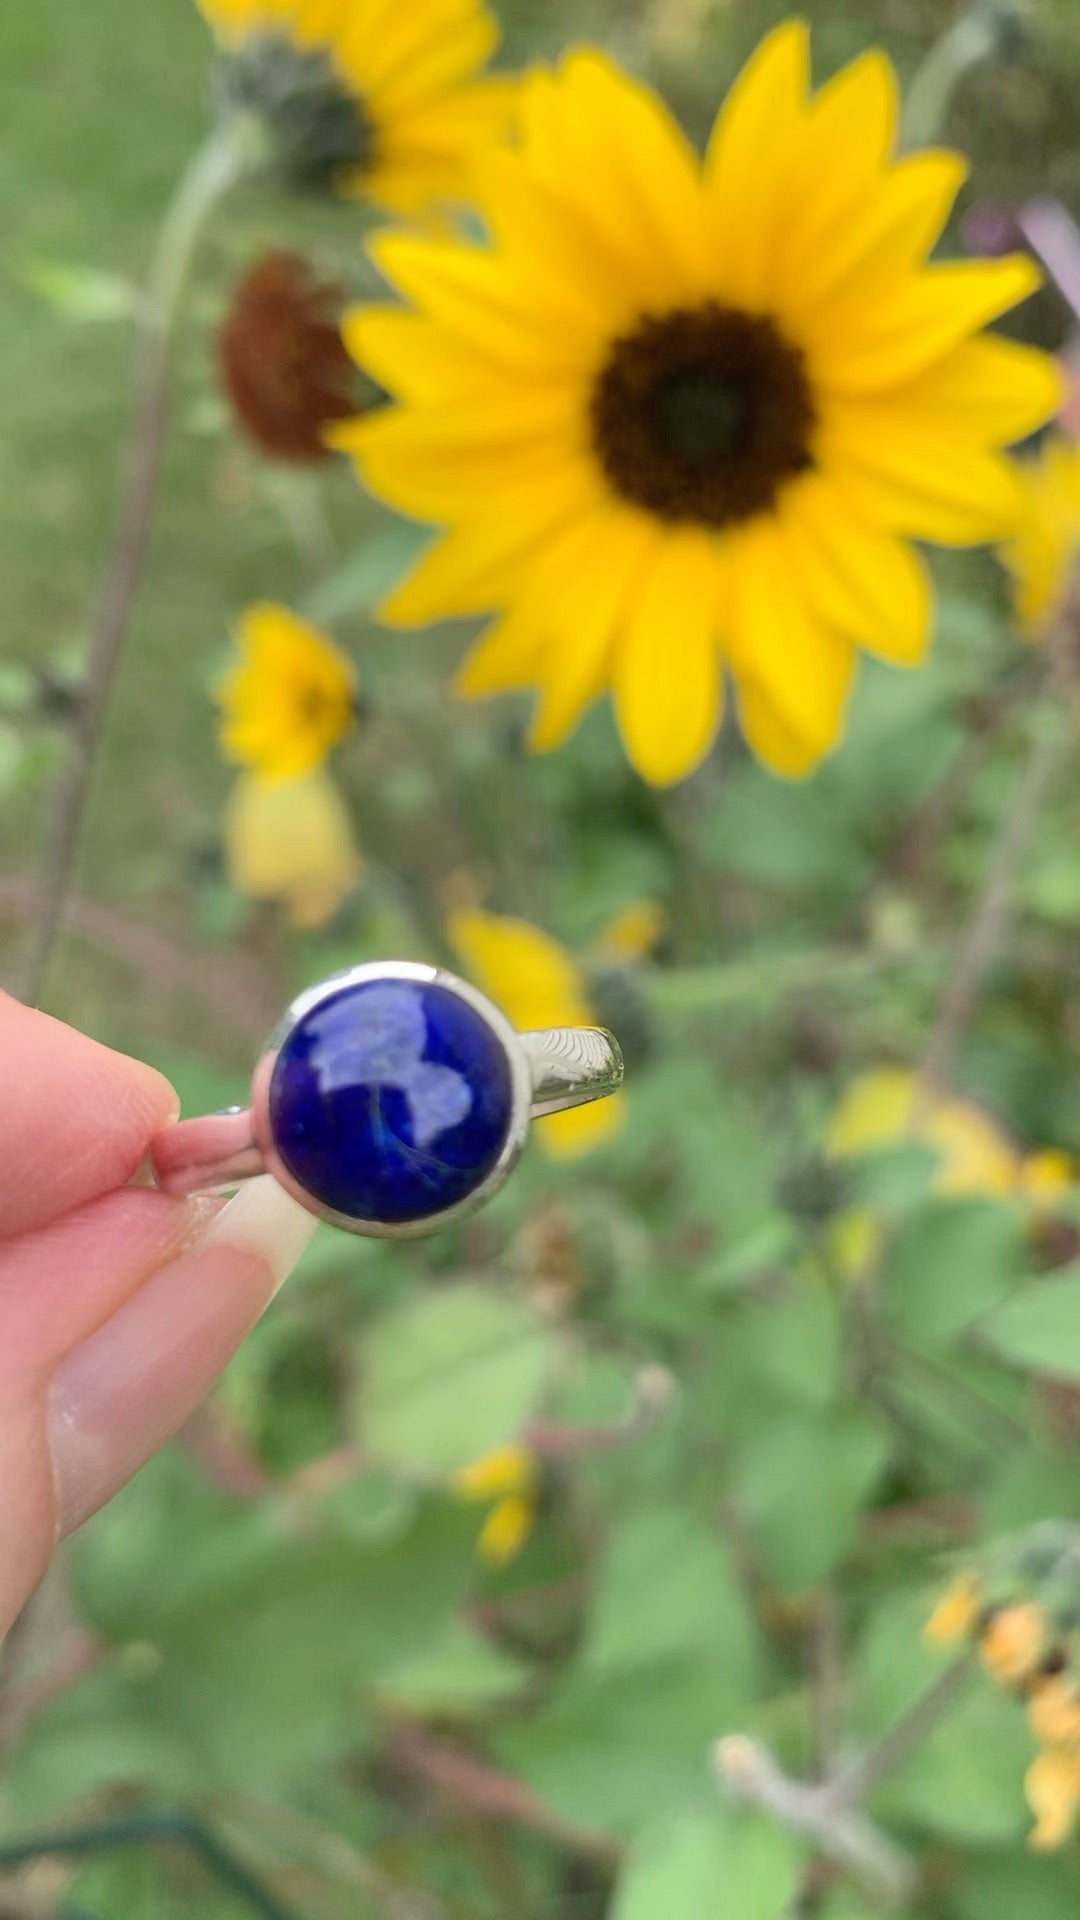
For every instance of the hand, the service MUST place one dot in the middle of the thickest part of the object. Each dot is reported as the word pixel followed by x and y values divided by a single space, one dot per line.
pixel 118 1306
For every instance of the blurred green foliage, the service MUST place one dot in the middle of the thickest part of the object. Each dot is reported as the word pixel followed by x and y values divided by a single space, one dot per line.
pixel 295 1638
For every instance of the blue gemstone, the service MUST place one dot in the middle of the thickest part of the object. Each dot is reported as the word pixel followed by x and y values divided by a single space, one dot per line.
pixel 391 1101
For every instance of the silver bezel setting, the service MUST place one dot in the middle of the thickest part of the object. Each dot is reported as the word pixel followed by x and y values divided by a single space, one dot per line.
pixel 521 1084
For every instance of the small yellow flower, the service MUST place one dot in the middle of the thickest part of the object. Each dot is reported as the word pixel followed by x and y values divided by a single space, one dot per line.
pixel 1013 1643
pixel 885 1107
pixel 1054 1712
pixel 1053 1790
pixel 379 99
pixel 537 983
pixel 633 934
pixel 956 1615
pixel 291 841
pixel 289 699
pixel 507 1477
pixel 718 401
pixel 1045 546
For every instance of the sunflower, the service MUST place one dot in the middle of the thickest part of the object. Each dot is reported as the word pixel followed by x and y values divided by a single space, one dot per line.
pixel 1045 544
pixel 682 420
pixel 289 699
pixel 366 97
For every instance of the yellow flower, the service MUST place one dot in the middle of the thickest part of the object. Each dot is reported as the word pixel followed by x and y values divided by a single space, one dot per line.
pixel 382 99
pixel 508 1478
pixel 682 421
pixel 1053 1791
pixel 883 1108
pixel 632 935
pixel 1013 1643
pixel 1054 1713
pixel 291 840
pixel 289 699
pixel 956 1615
pixel 1045 546
pixel 537 983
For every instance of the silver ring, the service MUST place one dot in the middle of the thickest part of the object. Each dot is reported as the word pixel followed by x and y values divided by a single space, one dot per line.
pixel 392 1100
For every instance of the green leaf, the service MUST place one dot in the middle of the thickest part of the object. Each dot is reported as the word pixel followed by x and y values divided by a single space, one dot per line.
pixel 1039 1328
pixel 667 1585
pixel 949 1264
pixel 802 1482
pixel 613 1749
pixel 1013 1885
pixel 709 1860
pixel 83 294
pixel 965 1782
pixel 370 572
pixel 458 1673
pixel 450 1375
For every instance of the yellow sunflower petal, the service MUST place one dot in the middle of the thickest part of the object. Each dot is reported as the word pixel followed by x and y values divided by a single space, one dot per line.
pixel 474 569
pixel 989 389
pixel 585 621
pixel 580 1130
pixel 793 673
pixel 932 485
pixel 747 168
pixel 769 735
pixel 645 176
pixel 861 581
pixel 900 218
pixel 889 336
pixel 843 147
pixel 668 682
pixel 534 979
pixel 504 659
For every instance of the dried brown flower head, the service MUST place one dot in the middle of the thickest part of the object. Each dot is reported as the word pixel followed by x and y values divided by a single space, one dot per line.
pixel 282 358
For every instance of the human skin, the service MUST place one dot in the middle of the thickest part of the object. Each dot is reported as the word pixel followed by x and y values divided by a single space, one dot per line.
pixel 119 1306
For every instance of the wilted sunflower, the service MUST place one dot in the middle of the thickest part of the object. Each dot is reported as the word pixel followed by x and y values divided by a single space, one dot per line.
pixel 377 98
pixel 682 420
pixel 282 358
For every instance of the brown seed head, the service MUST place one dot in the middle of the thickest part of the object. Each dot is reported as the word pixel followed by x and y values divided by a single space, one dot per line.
pixel 283 361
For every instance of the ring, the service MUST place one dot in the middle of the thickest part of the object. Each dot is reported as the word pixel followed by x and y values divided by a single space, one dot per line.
pixel 392 1100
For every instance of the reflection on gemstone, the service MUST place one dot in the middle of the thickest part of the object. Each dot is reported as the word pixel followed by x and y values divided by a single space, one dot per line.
pixel 385 1049
pixel 391 1100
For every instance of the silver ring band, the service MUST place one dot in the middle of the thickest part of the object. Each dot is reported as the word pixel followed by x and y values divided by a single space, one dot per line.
pixel 393 1100
pixel 215 1153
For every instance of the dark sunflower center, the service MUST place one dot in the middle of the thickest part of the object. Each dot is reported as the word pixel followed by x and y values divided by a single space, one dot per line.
pixel 702 415
pixel 318 128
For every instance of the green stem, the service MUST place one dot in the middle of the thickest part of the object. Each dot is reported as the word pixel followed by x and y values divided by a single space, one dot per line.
pixel 217 165
pixel 973 38
pixel 140 1830
pixel 691 990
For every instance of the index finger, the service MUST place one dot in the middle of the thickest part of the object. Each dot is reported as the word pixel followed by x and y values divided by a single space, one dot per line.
pixel 75 1118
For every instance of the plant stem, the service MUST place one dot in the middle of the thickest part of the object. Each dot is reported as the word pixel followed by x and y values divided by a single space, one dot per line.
pixel 212 171
pixel 974 37
pixel 988 926
pixel 855 1783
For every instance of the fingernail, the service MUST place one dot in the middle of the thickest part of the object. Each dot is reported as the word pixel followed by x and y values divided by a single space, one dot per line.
pixel 119 1396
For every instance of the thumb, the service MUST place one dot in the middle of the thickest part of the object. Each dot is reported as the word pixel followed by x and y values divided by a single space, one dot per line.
pixel 120 1395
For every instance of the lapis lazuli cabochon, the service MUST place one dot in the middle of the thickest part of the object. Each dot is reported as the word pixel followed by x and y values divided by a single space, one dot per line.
pixel 391 1101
